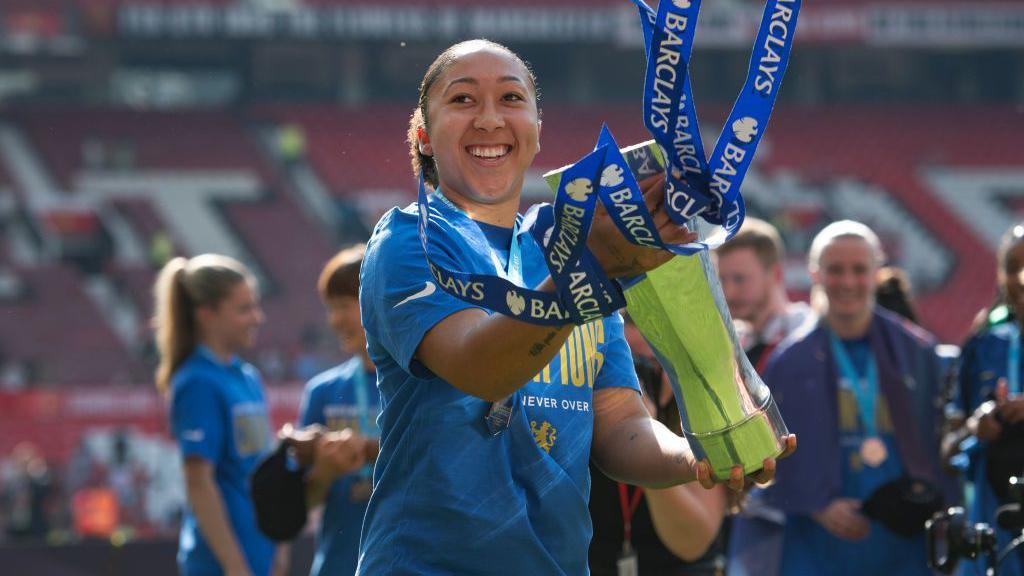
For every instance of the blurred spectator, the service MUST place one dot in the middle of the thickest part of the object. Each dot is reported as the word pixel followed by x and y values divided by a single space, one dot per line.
pixel 894 292
pixel 992 442
pixel 27 493
pixel 673 530
pixel 750 269
pixel 291 143
pixel 342 398
pixel 859 389
pixel 128 481
pixel 161 249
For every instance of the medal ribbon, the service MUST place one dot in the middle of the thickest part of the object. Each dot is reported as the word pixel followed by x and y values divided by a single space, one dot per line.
pixel 865 388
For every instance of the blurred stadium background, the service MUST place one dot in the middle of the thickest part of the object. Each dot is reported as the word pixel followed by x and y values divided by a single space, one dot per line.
pixel 273 131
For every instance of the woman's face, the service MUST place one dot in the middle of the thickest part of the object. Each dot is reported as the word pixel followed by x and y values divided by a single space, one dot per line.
pixel 233 323
pixel 483 127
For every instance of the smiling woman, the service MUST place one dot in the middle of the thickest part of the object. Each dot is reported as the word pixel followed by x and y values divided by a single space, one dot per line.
pixel 207 312
pixel 488 423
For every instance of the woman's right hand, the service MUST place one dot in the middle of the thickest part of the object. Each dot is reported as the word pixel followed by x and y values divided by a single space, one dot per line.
pixel 842 519
pixel 620 257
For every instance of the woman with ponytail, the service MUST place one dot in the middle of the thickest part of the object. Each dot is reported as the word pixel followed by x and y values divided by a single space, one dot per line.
pixel 207 311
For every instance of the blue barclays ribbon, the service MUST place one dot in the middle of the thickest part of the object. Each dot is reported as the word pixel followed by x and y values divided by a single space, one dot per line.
pixel 586 279
pixel 865 387
pixel 695 186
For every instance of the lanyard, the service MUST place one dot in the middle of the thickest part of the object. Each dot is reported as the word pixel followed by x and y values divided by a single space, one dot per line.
pixel 864 388
pixel 628 505
pixel 1013 364
pixel 363 408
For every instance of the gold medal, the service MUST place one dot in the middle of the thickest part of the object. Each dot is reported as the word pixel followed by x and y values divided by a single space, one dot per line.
pixel 873 452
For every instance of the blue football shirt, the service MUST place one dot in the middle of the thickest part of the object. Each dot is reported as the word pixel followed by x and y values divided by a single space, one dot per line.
pixel 450 498
pixel 331 399
pixel 219 413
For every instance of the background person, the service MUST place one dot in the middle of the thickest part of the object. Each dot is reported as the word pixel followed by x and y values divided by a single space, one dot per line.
pixel 207 312
pixel 344 397
pixel 862 386
pixel 753 281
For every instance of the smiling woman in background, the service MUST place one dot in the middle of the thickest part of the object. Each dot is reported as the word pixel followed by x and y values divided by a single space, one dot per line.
pixel 207 312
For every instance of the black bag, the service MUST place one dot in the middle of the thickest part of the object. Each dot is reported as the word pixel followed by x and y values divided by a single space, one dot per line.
pixel 904 505
pixel 279 496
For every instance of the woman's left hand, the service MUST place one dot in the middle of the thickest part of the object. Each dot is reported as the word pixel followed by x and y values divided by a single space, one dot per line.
pixel 736 481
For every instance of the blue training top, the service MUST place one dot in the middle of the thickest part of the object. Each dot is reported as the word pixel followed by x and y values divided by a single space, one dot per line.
pixel 331 400
pixel 219 414
pixel 450 498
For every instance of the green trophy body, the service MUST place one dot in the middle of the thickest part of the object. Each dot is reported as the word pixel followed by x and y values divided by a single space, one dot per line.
pixel 727 412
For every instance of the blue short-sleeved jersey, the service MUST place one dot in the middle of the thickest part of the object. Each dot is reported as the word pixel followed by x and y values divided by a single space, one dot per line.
pixel 331 400
pixel 219 413
pixel 450 498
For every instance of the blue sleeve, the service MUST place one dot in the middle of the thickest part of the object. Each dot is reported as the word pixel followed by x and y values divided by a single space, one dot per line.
pixel 399 298
pixel 965 397
pixel 618 370
pixel 311 411
pixel 198 421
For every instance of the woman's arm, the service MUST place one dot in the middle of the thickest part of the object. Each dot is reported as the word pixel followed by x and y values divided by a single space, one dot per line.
pixel 687 518
pixel 490 356
pixel 631 447
pixel 208 507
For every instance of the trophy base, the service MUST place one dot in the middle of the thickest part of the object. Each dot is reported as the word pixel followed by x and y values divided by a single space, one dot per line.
pixel 747 443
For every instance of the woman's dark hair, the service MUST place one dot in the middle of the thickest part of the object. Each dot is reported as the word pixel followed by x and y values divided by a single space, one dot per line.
pixel 421 163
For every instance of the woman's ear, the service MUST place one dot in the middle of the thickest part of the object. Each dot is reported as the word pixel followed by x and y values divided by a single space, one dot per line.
pixel 540 124
pixel 424 142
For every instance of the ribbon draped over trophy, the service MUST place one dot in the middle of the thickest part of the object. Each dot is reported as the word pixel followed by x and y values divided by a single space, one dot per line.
pixel 727 412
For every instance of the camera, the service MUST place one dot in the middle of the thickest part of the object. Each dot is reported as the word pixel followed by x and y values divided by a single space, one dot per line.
pixel 951 537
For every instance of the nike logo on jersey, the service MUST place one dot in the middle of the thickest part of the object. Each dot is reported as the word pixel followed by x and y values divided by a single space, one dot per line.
pixel 194 435
pixel 428 289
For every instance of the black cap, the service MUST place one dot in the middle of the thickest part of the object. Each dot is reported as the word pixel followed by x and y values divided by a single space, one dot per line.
pixel 279 496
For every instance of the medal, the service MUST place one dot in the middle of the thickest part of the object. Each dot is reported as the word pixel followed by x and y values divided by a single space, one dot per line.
pixel 873 452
